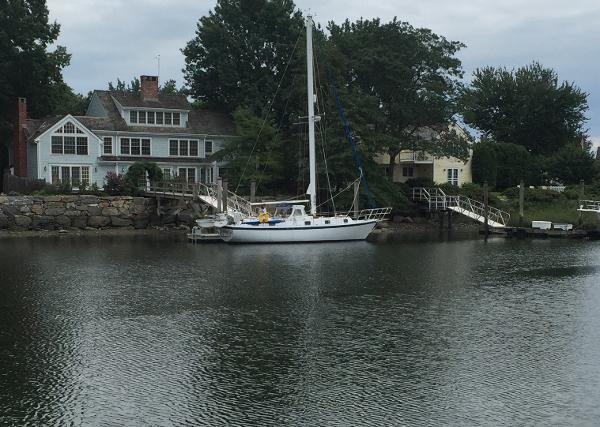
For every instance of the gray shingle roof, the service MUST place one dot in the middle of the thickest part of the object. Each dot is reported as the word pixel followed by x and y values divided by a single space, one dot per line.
pixel 175 101
pixel 200 122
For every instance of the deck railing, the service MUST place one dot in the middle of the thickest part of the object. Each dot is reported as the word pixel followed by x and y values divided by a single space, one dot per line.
pixel 380 214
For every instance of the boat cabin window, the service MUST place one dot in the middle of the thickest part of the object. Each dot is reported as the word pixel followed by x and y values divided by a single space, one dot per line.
pixel 327 221
pixel 306 222
pixel 297 212
pixel 345 221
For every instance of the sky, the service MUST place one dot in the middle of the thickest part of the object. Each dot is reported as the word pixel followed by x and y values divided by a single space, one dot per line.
pixel 111 39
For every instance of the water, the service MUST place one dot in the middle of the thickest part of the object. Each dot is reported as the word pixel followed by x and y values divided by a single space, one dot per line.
pixel 149 331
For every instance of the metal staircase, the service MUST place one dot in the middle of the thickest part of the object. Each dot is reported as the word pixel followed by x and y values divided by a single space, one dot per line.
pixel 437 200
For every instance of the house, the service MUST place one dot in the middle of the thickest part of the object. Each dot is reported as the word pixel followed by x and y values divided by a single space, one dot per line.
pixel 118 130
pixel 419 164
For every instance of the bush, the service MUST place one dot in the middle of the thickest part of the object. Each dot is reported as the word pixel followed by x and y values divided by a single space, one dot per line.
pixel 136 174
pixel 571 164
pixel 534 195
pixel 419 182
pixel 114 184
pixel 485 163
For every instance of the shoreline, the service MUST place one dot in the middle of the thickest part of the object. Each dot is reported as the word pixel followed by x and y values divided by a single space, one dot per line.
pixel 104 232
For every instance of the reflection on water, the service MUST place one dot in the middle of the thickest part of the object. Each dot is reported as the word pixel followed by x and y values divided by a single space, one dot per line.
pixel 152 331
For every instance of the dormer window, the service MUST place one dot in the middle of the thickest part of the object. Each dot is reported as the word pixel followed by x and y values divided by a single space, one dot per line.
pixel 159 118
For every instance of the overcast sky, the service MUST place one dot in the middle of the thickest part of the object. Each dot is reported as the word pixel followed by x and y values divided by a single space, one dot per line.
pixel 116 38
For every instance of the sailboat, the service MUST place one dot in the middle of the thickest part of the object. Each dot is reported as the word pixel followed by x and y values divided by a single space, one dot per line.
pixel 300 226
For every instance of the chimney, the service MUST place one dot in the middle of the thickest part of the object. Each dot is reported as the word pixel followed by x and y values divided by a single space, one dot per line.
pixel 149 88
pixel 20 141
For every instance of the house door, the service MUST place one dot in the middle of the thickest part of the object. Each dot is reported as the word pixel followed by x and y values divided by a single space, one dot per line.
pixel 188 173
pixel 453 176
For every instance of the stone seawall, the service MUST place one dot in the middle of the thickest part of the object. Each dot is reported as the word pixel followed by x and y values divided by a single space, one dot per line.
pixel 74 211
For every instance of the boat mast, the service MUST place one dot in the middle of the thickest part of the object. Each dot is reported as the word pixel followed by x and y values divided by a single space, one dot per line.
pixel 312 187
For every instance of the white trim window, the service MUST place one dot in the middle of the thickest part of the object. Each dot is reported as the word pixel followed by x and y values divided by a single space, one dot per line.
pixel 188 173
pixel 408 171
pixel 154 118
pixel 453 177
pixel 166 173
pixel 135 146
pixel 107 145
pixel 68 139
pixel 75 174
pixel 183 148
pixel 208 147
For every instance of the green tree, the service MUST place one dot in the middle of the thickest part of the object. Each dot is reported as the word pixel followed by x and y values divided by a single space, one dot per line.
pixel 527 106
pixel 571 164
pixel 515 163
pixel 240 52
pixel 407 78
pixel 485 165
pixel 28 66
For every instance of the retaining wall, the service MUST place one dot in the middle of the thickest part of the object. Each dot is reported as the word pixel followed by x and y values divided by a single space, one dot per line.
pixel 74 211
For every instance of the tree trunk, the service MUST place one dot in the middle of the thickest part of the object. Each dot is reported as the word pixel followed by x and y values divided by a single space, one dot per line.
pixel 392 165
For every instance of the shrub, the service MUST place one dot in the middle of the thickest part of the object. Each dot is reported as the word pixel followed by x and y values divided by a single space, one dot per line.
pixel 114 184
pixel 419 182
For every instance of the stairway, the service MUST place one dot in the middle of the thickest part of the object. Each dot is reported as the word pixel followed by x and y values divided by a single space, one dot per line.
pixel 437 200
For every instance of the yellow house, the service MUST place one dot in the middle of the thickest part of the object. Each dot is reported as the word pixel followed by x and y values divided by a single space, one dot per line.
pixel 419 164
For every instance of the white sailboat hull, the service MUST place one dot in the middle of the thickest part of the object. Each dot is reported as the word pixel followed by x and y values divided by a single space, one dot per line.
pixel 265 233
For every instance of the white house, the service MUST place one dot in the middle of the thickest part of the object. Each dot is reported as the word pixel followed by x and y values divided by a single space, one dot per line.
pixel 118 130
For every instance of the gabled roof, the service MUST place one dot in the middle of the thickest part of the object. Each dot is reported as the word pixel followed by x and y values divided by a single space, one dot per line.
pixel 36 128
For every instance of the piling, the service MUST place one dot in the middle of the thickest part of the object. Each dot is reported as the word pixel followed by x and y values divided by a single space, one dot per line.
pixel 219 194
pixel 224 195
pixel 580 201
pixel 486 226
pixel 356 198
pixel 521 202
pixel 253 192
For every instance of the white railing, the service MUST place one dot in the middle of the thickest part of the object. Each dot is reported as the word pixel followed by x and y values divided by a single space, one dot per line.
pixel 198 190
pixel 380 214
pixel 415 156
pixel 438 200
pixel 478 208
pixel 589 206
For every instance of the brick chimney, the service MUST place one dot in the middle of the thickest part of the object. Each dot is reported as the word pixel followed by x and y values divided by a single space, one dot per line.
pixel 20 139
pixel 149 88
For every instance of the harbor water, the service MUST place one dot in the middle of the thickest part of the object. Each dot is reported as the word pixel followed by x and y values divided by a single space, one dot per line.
pixel 155 331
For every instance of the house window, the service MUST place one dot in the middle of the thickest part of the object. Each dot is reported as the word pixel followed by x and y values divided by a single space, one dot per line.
pixel 167 118
pixel 107 145
pixel 188 173
pixel 82 146
pixel 183 148
pixel 159 118
pixel 133 116
pixel 176 120
pixel 69 141
pixel 208 148
pixel 194 148
pixel 142 117
pixel 150 117
pixel 407 171
pixel 166 173
pixel 135 146
pixel 453 176
pixel 74 174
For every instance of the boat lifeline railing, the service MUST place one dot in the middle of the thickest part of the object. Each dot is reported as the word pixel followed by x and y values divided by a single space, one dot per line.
pixel 380 214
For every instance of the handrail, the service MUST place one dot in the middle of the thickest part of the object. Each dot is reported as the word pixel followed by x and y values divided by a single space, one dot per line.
pixel 380 214
pixel 438 200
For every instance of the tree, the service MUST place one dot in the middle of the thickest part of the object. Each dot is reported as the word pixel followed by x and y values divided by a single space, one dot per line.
pixel 484 164
pixel 527 106
pixel 241 51
pixel 571 164
pixel 409 80
pixel 28 68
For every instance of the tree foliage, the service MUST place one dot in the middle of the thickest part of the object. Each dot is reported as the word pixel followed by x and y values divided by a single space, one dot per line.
pixel 240 52
pixel 527 106
pixel 484 164
pixel 409 81
pixel 570 165
pixel 28 66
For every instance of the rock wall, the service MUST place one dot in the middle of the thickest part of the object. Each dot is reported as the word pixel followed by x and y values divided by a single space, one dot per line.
pixel 73 211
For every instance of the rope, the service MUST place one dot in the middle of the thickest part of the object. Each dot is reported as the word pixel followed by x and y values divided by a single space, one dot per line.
pixel 270 103
pixel 342 191
pixel 348 133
